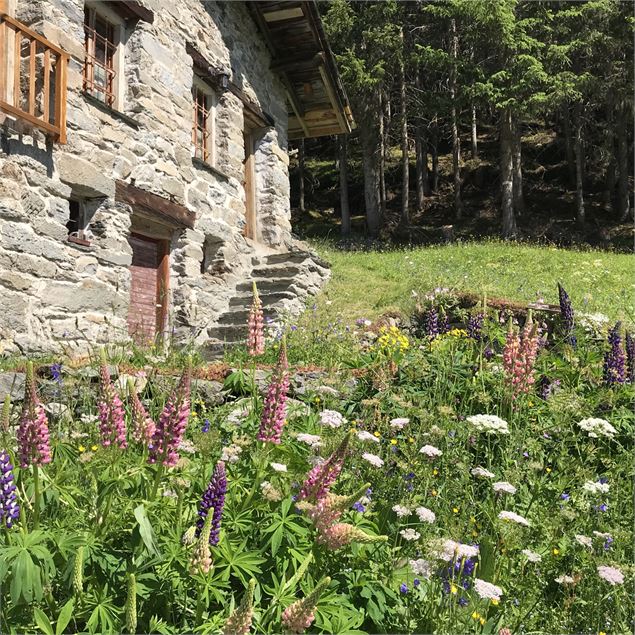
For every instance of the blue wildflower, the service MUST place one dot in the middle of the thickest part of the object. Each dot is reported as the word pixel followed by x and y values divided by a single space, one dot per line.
pixel 403 588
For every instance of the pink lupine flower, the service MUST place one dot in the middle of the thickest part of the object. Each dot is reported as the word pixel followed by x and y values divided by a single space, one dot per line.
pixel 239 622
pixel 172 423
pixel 519 356
pixel 297 617
pixel 256 337
pixel 143 426
pixel 33 431
pixel 112 422
pixel 275 410
pixel 321 477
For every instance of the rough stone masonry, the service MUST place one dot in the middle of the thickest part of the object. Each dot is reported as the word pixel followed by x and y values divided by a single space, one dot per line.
pixel 60 292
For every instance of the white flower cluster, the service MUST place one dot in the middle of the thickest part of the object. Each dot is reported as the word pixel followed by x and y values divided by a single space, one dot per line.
pixel 514 518
pixel 487 590
pixel 490 424
pixel 532 556
pixel 312 440
pixel 231 453
pixel 364 435
pixel 373 459
pixel 425 515
pixel 401 511
pixel 410 534
pixel 279 467
pixel 331 418
pixel 270 492
pixel 421 568
pixel 430 451
pixel 481 472
pixel 399 423
pixel 504 487
pixel 585 541
pixel 448 550
pixel 597 428
pixel 564 579
pixel 596 488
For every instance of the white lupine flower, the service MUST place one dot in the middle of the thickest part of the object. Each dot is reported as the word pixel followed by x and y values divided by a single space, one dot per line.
pixel 430 451
pixel 425 515
pixel 331 418
pixel 490 424
pixel 410 534
pixel 373 459
pixel 504 487
pixel 514 518
pixel 401 511
pixel 364 435
pixel 597 428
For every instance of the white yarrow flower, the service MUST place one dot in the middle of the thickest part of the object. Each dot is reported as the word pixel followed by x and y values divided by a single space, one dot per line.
pixel 532 556
pixel 585 541
pixel 487 590
pixel 481 472
pixel 514 518
pixel 312 440
pixel 410 534
pixel 490 424
pixel 373 459
pixel 331 418
pixel 430 451
pixel 504 487
pixel 597 428
pixel 279 467
pixel 596 488
pixel 399 423
pixel 564 579
pixel 425 515
pixel 421 568
pixel 364 435
pixel 401 511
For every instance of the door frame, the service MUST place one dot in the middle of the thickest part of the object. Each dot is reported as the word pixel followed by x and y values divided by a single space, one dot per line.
pixel 250 229
pixel 163 282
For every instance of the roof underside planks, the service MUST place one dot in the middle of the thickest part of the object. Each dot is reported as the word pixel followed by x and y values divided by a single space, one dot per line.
pixel 302 58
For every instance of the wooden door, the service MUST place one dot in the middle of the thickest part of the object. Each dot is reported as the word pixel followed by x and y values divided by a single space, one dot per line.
pixel 148 288
pixel 250 187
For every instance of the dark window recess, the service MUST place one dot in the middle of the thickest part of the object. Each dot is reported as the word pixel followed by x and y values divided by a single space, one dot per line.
pixel 75 223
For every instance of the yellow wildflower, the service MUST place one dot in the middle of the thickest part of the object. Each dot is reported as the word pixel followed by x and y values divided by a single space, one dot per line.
pixel 393 442
pixel 377 433
pixel 435 471
pixel 81 448
pixel 433 492
pixel 455 510
pixel 475 615
pixel 494 601
pixel 454 589
pixel 482 621
pixel 556 551
pixel 411 440
pixel 93 448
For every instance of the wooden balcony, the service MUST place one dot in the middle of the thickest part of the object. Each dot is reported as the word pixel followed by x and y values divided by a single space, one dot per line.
pixel 32 78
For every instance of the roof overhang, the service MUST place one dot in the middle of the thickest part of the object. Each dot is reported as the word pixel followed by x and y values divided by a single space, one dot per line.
pixel 303 60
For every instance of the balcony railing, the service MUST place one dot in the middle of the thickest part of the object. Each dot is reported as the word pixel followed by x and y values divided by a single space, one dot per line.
pixel 32 78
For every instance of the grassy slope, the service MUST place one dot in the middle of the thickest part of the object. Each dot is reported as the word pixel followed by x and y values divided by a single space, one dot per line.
pixel 367 284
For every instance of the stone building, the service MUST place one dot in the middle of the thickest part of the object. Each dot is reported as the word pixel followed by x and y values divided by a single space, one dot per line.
pixel 144 168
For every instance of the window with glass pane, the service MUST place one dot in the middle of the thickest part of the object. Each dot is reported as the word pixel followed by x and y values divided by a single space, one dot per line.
pixel 99 66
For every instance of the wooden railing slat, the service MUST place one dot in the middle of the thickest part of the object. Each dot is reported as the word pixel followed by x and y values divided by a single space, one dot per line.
pixel 47 85
pixel 17 63
pixel 32 57
pixel 3 67
pixel 60 96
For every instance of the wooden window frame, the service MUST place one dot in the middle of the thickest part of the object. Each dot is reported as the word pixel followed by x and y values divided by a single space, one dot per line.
pixel 112 94
pixel 206 150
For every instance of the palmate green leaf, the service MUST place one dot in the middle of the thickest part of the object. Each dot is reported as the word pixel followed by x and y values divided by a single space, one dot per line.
pixel 237 561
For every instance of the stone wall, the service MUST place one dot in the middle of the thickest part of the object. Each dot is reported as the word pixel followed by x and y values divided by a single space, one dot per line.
pixel 58 294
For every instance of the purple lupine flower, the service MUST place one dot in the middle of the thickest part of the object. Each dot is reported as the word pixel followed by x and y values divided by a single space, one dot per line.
pixel 321 477
pixel 206 426
pixel 566 316
pixel 488 353
pixel 213 500
pixel 112 422
pixel 564 496
pixel 56 373
pixel 172 423
pixel 614 358
pixel 630 357
pixel 444 323
pixel 358 507
pixel 607 543
pixel 9 508
pixel 275 410
pixel 475 326
pixel 416 582
pixel 431 323
pixel 33 430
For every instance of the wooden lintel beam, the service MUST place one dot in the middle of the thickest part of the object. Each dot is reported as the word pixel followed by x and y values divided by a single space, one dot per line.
pixel 154 205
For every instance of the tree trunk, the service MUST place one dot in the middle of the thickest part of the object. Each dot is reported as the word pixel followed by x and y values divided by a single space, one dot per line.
pixel 382 153
pixel 474 137
pixel 370 137
pixel 405 155
pixel 568 143
pixel 578 151
pixel 344 208
pixel 435 156
pixel 421 151
pixel 623 195
pixel 507 174
pixel 301 174
pixel 456 142
pixel 517 158
pixel 610 172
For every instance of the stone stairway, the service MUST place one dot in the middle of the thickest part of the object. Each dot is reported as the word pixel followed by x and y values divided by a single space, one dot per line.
pixel 284 281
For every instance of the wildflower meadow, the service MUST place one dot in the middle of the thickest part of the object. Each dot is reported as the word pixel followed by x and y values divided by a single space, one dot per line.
pixel 462 470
